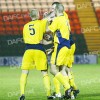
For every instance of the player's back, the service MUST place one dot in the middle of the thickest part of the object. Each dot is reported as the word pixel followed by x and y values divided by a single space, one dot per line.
pixel 33 31
pixel 63 26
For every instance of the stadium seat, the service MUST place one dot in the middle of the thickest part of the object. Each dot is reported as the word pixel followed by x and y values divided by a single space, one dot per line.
pixel 14 22
pixel 2 30
pixel 71 7
pixel 70 1
pixel 78 31
pixel 17 11
pixel 21 29
pixel 4 7
pixel 16 2
pixel 9 30
pixel 24 7
pixel 76 21
pixel 7 23
pixel 15 29
pixel 1 22
pixel 21 21
pixel 72 29
pixel 23 2
pixel 17 6
pixel 9 1
pixel 1 18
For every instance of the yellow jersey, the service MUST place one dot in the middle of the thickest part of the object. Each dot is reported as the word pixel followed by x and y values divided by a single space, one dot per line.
pixel 33 31
pixel 60 26
pixel 65 14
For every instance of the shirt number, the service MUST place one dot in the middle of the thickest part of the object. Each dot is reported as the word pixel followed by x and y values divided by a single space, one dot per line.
pixel 31 29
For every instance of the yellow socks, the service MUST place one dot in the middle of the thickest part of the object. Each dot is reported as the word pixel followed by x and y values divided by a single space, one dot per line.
pixel 56 85
pixel 72 82
pixel 23 81
pixel 66 78
pixel 62 80
pixel 46 80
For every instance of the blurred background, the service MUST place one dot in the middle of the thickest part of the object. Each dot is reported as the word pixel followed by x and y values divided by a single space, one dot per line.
pixel 84 18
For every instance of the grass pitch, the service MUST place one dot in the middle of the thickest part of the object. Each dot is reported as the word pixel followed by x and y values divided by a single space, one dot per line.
pixel 87 78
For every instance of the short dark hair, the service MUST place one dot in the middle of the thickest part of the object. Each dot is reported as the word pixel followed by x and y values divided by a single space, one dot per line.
pixel 55 3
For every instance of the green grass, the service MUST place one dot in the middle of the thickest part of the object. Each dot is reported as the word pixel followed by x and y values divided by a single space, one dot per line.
pixel 87 79
pixel 99 59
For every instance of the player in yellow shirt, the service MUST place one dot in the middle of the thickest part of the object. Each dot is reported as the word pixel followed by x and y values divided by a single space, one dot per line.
pixel 71 60
pixel 60 28
pixel 34 56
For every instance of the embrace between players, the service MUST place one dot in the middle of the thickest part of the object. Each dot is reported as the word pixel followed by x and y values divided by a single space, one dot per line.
pixel 35 56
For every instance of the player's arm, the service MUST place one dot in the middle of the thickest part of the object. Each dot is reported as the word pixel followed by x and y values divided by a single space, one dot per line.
pixel 49 16
pixel 45 42
pixel 53 27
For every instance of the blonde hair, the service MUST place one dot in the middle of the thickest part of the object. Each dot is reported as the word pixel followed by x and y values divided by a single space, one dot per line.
pixel 34 14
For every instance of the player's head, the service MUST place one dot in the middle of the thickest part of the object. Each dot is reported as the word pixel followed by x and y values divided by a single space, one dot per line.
pixel 59 9
pixel 54 5
pixel 34 14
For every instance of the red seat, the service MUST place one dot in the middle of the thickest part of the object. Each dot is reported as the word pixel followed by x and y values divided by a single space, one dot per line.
pixel 15 29
pixel 14 22
pixel 1 18
pixel 9 30
pixel 2 30
pixel 76 21
pixel 97 11
pixel 73 12
pixel 1 23
pixel 5 13
pixel 98 15
pixel 27 20
pixel 78 32
pixel 7 23
pixel 74 16
pixel 21 29
pixel 77 26
pixel 73 29
pixel 21 22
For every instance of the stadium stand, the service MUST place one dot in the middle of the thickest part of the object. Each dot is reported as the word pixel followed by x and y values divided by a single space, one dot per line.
pixel 96 4
pixel 14 11
pixel 82 15
pixel 89 24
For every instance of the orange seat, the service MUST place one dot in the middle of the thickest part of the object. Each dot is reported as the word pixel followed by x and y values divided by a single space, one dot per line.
pixel 1 18
pixel 21 29
pixel 27 20
pixel 74 16
pixel 5 13
pixel 99 21
pixel 7 23
pixel 14 22
pixel 76 21
pixel 9 30
pixel 73 12
pixel 97 11
pixel 78 32
pixel 2 30
pixel 1 23
pixel 72 29
pixel 77 26
pixel 21 22
pixel 15 29
pixel 98 15
pixel 71 23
